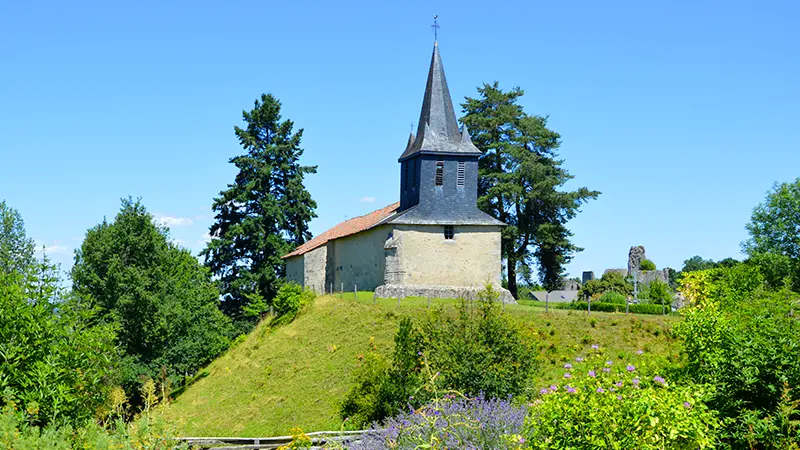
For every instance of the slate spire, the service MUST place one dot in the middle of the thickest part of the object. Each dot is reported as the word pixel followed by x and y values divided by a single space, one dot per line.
pixel 437 131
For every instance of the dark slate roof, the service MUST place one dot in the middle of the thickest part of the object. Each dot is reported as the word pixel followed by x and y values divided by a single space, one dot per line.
pixel 416 215
pixel 437 131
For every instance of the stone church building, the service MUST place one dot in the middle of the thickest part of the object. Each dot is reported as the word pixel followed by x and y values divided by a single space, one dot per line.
pixel 434 241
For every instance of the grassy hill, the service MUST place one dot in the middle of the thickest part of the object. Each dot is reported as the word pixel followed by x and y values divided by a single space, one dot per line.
pixel 296 374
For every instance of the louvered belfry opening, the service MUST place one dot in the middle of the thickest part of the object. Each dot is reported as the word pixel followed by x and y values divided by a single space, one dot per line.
pixel 439 173
pixel 462 174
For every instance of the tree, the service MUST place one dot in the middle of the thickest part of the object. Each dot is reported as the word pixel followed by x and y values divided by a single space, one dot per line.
pixel 646 264
pixel 519 180
pixel 696 263
pixel 158 295
pixel 264 213
pixel 55 363
pixel 774 230
pixel 16 249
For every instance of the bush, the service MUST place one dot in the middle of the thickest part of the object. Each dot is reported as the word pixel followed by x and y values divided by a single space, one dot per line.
pixel 465 423
pixel 620 407
pixel 291 297
pixel 640 308
pixel 750 351
pixel 612 297
pixel 15 433
pixel 478 350
pixel 657 293
pixel 646 264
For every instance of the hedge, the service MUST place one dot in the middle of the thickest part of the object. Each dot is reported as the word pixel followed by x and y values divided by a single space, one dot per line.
pixel 635 308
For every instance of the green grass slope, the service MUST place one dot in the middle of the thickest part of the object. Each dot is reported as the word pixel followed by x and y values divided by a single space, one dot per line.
pixel 295 375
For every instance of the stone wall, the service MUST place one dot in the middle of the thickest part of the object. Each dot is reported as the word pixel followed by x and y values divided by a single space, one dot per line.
pixel 358 260
pixel 295 269
pixel 314 269
pixel 426 258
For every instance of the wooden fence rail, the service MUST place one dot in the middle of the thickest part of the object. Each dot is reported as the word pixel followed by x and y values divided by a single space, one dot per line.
pixel 318 438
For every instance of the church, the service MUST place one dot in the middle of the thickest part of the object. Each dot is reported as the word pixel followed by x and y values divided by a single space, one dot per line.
pixel 434 241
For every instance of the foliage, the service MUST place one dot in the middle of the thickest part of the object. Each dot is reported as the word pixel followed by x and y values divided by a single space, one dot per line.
pixel 728 285
pixel 646 264
pixel 696 263
pixel 619 406
pixel 160 298
pixel 633 308
pixel 478 350
pixel 657 293
pixel 520 180
pixel 450 422
pixel 264 213
pixel 774 223
pixel 609 282
pixel 16 249
pixel 291 297
pixel 54 364
pixel 749 349
pixel 17 433
pixel 613 297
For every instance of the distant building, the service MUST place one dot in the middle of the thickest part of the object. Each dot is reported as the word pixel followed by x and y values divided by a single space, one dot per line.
pixel 435 241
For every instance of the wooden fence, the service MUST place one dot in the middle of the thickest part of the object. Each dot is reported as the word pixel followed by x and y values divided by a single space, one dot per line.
pixel 318 439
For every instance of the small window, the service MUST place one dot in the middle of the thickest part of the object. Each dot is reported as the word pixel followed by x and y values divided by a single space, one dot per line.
pixel 449 232
pixel 439 173
pixel 462 173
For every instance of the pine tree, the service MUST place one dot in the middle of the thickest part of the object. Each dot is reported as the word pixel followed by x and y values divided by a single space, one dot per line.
pixel 520 177
pixel 264 213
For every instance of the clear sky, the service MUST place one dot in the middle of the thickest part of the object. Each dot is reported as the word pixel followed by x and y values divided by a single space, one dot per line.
pixel 683 113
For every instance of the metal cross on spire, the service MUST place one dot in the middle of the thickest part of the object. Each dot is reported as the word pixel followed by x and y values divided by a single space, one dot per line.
pixel 435 27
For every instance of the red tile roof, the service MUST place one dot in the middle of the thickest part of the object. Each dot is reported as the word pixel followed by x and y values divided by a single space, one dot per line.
pixel 346 228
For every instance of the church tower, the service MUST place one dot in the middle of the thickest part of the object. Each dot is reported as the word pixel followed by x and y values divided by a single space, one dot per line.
pixel 439 167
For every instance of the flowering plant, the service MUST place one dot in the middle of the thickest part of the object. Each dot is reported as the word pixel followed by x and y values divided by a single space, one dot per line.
pixel 619 405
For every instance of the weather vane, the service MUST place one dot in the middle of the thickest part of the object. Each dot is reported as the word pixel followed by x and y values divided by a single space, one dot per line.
pixel 435 27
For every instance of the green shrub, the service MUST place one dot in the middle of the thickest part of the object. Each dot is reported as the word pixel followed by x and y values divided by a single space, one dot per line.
pixel 750 351
pixel 291 297
pixel 646 264
pixel 479 349
pixel 657 292
pixel 148 433
pixel 641 308
pixel 619 408
pixel 612 297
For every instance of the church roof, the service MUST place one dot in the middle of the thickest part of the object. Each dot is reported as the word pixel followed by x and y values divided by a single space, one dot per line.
pixel 417 215
pixel 346 228
pixel 437 131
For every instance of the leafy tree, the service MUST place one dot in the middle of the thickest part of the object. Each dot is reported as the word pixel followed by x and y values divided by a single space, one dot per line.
pixel 609 282
pixel 520 181
pixel 16 249
pixel 158 295
pixel 696 263
pixel 264 213
pixel 55 364
pixel 774 228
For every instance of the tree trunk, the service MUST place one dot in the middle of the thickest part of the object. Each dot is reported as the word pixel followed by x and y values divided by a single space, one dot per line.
pixel 512 277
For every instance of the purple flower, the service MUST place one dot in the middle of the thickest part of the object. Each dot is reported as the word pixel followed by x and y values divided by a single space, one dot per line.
pixel 544 391
pixel 419 353
pixel 571 390
pixel 659 380
pixel 595 346
pixel 521 440
pixel 553 387
pixel 639 352
pixel 609 362
pixel 630 368
pixel 579 359
pixel 687 405
pixel 635 381
pixel 618 384
pixel 567 375
pixel 568 366
pixel 619 397
pixel 606 370
pixel 592 373
pixel 600 390
pixel 612 389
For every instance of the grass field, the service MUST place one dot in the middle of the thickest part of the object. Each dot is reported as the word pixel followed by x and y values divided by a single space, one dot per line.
pixel 296 374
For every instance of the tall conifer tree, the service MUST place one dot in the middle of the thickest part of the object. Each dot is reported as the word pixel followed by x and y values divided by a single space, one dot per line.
pixel 520 177
pixel 264 213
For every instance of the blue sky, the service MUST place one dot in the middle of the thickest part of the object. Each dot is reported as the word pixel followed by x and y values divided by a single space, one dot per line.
pixel 683 113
